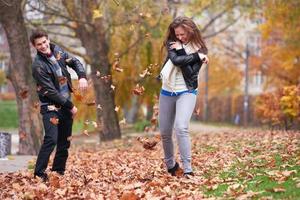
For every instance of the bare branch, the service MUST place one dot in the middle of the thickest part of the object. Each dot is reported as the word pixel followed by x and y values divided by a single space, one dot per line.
pixel 222 29
pixel 216 17
pixel 72 51
pixel 58 13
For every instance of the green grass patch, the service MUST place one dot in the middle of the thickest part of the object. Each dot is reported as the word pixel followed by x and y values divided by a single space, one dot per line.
pixel 9 114
pixel 261 181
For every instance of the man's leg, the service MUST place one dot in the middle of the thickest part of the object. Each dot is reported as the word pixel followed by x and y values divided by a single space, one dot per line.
pixel 184 109
pixel 63 143
pixel 166 122
pixel 48 145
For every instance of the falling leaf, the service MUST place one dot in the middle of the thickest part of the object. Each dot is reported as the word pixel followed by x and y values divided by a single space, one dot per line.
pixel 95 124
pixel 58 56
pixel 149 143
pixel 118 69
pixel 98 74
pixel 154 120
pixel 131 27
pixel 122 122
pixel 147 35
pixel 91 103
pixel 36 105
pixel 22 135
pixel 144 73
pixel 112 87
pixel 97 14
pixel 38 88
pixel 62 80
pixel 85 132
pixel 54 120
pixel 117 108
pixel 99 107
pixel 138 90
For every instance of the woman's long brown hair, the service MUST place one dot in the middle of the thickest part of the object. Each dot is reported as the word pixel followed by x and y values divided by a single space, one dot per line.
pixel 192 29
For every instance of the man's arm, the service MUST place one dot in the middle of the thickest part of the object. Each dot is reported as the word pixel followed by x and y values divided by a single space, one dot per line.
pixel 76 65
pixel 47 88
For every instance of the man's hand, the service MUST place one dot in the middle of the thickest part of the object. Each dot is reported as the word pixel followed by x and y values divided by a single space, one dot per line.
pixel 83 84
pixel 74 111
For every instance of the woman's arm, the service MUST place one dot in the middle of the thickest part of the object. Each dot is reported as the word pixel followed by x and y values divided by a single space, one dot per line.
pixel 181 60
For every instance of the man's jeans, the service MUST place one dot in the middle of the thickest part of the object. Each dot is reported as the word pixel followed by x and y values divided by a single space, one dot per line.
pixel 55 135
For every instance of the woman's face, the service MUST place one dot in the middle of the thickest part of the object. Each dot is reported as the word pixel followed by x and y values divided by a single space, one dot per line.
pixel 181 34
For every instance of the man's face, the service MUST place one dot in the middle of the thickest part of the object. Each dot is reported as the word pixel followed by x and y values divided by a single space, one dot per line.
pixel 42 45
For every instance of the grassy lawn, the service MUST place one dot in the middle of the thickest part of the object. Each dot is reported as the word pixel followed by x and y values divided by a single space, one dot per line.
pixel 9 118
pixel 9 115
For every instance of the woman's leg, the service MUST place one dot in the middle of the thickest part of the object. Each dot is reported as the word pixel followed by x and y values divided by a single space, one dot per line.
pixel 184 109
pixel 166 122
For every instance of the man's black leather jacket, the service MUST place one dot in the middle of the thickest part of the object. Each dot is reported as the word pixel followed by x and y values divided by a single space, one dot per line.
pixel 47 80
pixel 189 65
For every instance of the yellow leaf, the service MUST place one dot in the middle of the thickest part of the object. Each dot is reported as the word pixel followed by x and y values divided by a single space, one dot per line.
pixel 97 14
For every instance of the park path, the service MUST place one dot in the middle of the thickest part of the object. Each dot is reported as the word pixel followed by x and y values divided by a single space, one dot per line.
pixel 15 162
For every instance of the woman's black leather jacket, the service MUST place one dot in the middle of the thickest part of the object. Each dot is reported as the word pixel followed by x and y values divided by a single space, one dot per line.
pixel 189 65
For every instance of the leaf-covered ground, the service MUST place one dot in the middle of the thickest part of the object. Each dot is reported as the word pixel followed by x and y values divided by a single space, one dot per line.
pixel 228 165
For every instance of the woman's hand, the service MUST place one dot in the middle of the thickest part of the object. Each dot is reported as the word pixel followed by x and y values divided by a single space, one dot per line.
pixel 175 45
pixel 205 59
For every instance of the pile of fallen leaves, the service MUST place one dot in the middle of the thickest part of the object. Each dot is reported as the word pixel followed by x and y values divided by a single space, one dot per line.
pixel 125 170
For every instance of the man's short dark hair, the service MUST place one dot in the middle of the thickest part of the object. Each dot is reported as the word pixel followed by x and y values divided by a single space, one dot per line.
pixel 37 34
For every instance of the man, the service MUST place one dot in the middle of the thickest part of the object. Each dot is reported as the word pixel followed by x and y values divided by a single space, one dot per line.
pixel 54 87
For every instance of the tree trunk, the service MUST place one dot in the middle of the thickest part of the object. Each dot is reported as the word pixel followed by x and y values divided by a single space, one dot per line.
pixel 95 40
pixel 30 127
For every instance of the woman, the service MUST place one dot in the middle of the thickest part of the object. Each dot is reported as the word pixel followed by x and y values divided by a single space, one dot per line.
pixel 186 53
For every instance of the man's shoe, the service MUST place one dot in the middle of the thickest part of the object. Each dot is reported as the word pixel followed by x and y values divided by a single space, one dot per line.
pixel 43 176
pixel 173 170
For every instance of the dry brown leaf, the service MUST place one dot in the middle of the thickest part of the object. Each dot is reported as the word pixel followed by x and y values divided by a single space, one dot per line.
pixel 22 135
pixel 54 180
pixel 138 90
pixel 117 108
pixel 85 132
pixel 129 195
pixel 23 93
pixel 149 143
pixel 279 189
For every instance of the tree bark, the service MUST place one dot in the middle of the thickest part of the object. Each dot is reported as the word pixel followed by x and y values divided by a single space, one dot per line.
pixel 95 40
pixel 19 73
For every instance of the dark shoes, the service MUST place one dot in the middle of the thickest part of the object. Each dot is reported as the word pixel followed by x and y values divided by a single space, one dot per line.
pixel 173 170
pixel 188 175
pixel 43 176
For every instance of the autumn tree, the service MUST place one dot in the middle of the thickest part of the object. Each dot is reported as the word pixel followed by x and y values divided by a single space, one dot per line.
pixel 19 73
pixel 281 47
